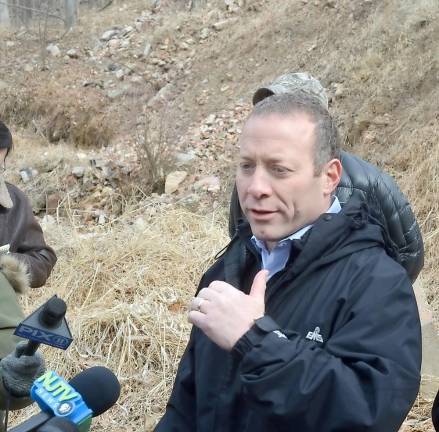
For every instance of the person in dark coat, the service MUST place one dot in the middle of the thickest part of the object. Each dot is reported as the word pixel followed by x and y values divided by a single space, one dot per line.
pixel 305 323
pixel 25 261
pixel 22 244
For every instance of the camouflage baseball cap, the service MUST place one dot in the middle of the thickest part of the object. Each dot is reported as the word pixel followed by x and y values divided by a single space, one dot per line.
pixel 291 82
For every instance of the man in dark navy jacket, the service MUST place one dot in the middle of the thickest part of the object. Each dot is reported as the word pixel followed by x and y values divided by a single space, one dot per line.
pixel 305 323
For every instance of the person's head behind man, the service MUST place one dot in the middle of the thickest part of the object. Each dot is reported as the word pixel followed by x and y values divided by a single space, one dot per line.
pixel 288 165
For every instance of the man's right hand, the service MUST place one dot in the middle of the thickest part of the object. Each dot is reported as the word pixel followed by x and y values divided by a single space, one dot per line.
pixel 225 313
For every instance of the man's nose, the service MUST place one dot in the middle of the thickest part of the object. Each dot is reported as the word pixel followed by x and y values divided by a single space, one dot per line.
pixel 259 185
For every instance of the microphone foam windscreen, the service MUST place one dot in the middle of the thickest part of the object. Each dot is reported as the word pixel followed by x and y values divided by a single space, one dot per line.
pixel 99 388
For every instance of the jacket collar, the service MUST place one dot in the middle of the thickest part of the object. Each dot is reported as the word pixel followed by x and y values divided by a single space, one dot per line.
pixel 331 237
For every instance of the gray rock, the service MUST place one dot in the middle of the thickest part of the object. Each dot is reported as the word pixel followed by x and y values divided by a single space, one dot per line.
pixel 147 50
pixel 47 220
pixel 53 50
pixel 114 44
pixel 125 43
pixel 112 67
pixel 221 25
pixel 183 159
pixel 209 121
pixel 128 30
pixel 162 95
pixel 72 53
pixel 109 34
pixel 27 174
pixel 119 92
pixel 210 184
pixel 3 85
pixel 120 74
pixel 205 33
pixel 78 171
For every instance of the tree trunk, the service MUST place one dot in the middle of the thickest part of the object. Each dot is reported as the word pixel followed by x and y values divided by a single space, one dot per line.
pixel 71 10
pixel 4 14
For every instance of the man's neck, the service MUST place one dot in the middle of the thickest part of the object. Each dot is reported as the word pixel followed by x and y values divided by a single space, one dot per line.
pixel 334 207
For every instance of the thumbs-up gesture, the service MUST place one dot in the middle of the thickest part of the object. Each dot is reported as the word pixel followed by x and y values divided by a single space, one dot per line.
pixel 224 313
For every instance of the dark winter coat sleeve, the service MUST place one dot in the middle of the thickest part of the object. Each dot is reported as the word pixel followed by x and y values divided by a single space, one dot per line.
pixel 365 378
pixel 27 241
pixel 180 411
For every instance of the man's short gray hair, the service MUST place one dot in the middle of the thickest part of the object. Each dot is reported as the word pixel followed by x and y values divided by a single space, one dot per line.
pixel 327 144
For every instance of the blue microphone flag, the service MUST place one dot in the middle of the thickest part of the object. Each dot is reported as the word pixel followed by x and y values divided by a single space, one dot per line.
pixel 57 397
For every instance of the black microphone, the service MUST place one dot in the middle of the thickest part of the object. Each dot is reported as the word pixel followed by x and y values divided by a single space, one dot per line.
pixel 47 325
pixel 98 387
pixel 435 413
pixel 88 394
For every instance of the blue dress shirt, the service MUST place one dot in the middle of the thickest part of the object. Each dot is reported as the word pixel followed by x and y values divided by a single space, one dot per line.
pixel 276 259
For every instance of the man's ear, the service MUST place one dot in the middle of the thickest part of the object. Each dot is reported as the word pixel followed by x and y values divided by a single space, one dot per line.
pixel 331 176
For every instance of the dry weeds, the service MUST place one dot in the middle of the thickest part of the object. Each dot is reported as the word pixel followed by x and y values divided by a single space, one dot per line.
pixel 127 287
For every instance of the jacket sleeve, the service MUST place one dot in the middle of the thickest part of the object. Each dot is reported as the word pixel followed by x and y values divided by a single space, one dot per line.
pixel 180 412
pixel 27 241
pixel 365 378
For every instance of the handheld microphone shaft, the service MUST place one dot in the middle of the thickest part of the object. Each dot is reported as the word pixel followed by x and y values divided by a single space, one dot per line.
pixel 32 424
pixel 58 424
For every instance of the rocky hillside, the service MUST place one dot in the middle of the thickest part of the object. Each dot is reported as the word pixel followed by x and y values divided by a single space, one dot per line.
pixel 143 101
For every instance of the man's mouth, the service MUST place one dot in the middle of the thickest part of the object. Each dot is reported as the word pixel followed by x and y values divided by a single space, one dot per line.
pixel 261 213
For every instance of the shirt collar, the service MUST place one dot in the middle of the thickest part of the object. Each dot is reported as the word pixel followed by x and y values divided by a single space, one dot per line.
pixel 260 244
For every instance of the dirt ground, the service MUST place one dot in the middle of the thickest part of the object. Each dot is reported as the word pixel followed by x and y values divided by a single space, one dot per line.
pixel 378 60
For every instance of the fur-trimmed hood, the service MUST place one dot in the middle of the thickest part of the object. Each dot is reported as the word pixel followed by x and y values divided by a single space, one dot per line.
pixel 20 229
pixel 16 272
pixel 5 197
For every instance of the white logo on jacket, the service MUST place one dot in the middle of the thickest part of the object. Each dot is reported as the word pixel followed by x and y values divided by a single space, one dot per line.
pixel 315 335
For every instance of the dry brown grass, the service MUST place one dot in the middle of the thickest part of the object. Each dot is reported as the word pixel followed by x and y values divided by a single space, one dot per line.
pixel 127 287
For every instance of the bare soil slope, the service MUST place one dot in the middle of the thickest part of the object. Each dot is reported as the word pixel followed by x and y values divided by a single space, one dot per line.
pixel 195 70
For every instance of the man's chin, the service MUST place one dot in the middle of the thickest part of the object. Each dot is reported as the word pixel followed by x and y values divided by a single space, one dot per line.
pixel 265 235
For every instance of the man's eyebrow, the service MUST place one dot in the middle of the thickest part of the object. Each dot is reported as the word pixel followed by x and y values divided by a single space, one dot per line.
pixel 272 159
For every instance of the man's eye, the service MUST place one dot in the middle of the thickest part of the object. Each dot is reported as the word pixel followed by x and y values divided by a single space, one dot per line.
pixel 245 166
pixel 277 169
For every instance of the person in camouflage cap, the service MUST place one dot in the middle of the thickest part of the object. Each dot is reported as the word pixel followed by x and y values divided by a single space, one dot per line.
pixel 290 83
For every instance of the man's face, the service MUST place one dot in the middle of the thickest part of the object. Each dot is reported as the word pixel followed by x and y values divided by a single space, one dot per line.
pixel 278 189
